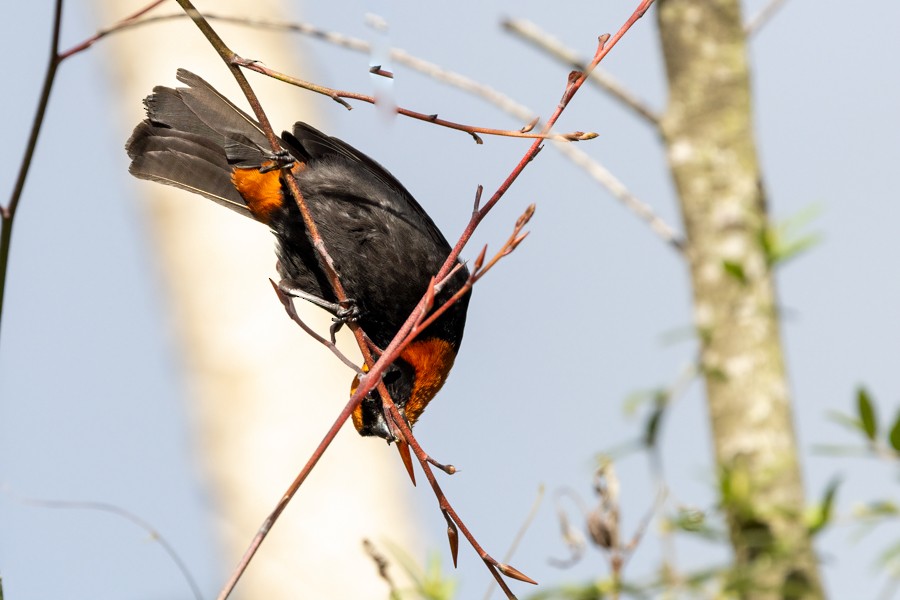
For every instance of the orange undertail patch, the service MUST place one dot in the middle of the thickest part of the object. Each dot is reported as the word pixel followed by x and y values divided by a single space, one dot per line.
pixel 261 191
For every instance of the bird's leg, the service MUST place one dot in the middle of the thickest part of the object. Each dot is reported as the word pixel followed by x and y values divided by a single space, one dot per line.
pixel 345 311
pixel 277 160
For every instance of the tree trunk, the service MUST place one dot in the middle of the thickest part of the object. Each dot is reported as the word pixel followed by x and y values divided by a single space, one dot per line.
pixel 708 132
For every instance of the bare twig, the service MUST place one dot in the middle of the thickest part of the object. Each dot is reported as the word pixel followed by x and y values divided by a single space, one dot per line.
pixel 123 24
pixel 762 17
pixel 514 108
pixel 603 524
pixel 154 534
pixel 517 110
pixel 327 265
pixel 520 535
pixel 382 564
pixel 466 84
pixel 8 212
pixel 358 45
pixel 632 545
pixel 367 381
pixel 291 310
pixel 614 186
pixel 572 538
pixel 576 80
pixel 414 322
pixel 340 95
pixel 531 33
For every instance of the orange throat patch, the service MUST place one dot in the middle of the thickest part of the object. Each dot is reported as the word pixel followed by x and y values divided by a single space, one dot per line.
pixel 431 360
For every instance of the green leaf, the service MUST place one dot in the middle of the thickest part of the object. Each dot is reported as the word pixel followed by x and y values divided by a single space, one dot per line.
pixel 735 269
pixel 653 421
pixel 691 520
pixel 879 509
pixel 866 413
pixel 845 420
pixel 838 450
pixel 890 558
pixel 781 242
pixel 894 435
pixel 636 399
pixel 825 509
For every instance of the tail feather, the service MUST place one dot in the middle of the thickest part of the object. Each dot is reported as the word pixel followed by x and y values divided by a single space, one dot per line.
pixel 185 161
pixel 193 138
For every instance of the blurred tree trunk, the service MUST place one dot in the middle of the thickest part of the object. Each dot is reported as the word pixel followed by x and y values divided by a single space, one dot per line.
pixel 262 393
pixel 708 132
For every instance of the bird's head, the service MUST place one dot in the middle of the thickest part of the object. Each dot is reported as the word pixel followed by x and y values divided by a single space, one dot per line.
pixel 412 381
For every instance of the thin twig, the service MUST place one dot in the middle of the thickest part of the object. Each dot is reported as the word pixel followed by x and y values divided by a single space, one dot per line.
pixel 8 212
pixel 520 535
pixel 406 333
pixel 129 516
pixel 576 80
pixel 466 84
pixel 291 310
pixel 765 14
pixel 511 107
pixel 531 33
pixel 123 24
pixel 671 395
pixel 362 46
pixel 382 564
pixel 620 192
pixel 573 538
pixel 631 546
pixel 327 265
pixel 340 95
pixel 366 382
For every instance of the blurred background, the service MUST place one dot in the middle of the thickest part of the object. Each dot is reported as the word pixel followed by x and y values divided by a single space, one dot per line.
pixel 100 396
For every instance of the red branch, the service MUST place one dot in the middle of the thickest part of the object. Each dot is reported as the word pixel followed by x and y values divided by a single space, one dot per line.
pixel 416 319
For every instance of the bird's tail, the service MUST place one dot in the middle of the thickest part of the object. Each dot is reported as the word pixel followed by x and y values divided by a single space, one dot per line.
pixel 194 138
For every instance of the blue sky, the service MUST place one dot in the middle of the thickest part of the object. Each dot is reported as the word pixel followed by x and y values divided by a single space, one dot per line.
pixel 579 318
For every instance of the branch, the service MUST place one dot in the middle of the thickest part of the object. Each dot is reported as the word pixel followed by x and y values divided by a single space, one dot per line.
pixel 416 320
pixel 519 111
pixel 520 535
pixel 504 103
pixel 128 516
pixel 123 24
pixel 8 212
pixel 576 80
pixel 291 310
pixel 765 14
pixel 339 95
pixel 531 33
pixel 621 193
pixel 382 564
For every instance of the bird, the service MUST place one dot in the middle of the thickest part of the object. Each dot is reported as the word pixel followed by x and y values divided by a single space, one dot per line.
pixel 385 247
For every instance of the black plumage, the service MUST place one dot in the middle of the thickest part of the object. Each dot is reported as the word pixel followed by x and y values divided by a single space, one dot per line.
pixel 385 247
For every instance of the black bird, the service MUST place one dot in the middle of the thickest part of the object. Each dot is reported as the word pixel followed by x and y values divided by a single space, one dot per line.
pixel 384 246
